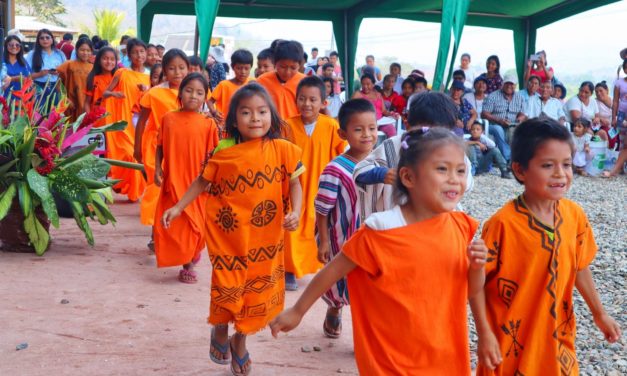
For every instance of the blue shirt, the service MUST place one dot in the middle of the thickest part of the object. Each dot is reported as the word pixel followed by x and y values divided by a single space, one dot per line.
pixel 13 70
pixel 50 61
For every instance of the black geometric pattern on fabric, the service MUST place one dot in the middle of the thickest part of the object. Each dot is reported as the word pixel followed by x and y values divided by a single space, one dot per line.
pixel 566 327
pixel 264 282
pixel 226 219
pixel 567 360
pixel 252 180
pixel 494 253
pixel 265 253
pixel 263 213
pixel 227 294
pixel 507 290
pixel 512 332
pixel 226 262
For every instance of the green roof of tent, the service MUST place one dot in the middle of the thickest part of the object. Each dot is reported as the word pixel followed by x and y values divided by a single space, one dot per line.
pixel 522 17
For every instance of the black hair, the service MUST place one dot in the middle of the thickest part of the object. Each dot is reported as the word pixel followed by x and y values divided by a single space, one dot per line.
pixel 154 68
pixel 583 121
pixel 276 43
pixel 194 76
pixel 242 56
pixel 368 76
pixel 305 56
pixel 19 56
pixel 171 55
pixel 312 81
pixel 397 65
pixel 83 36
pixel 266 54
pixel 417 145
pixel 459 72
pixel 624 64
pixel 420 79
pixel 97 68
pixel 332 82
pixel 314 49
pixel 334 53
pixel 101 44
pixel 124 38
pixel 95 39
pixel 388 76
pixel 496 60
pixel 409 81
pixel 194 61
pixel 588 84
pixel 352 107
pixel 534 77
pixel 289 50
pixel 327 65
pixel 432 109
pixel 81 42
pixel 160 46
pixel 249 91
pixel 367 70
pixel 37 60
pixel 533 133
pixel 150 45
pixel 68 36
pixel 562 88
pixel 132 43
pixel 369 57
pixel 602 84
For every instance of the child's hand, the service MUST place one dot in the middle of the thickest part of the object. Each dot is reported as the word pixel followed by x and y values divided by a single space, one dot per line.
pixel 219 117
pixel 488 351
pixel 114 94
pixel 324 253
pixel 290 222
pixel 158 176
pixel 285 321
pixel 390 176
pixel 477 254
pixel 142 87
pixel 482 147
pixel 459 123
pixel 170 215
pixel 608 326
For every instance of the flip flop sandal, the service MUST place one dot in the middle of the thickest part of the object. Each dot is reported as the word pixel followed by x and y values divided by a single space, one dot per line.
pixel 240 362
pixel 336 326
pixel 223 348
pixel 187 276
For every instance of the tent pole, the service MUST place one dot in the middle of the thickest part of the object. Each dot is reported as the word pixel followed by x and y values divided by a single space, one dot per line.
pixel 196 36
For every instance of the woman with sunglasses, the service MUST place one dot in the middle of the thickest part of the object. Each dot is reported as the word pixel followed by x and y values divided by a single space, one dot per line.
pixel 44 60
pixel 16 67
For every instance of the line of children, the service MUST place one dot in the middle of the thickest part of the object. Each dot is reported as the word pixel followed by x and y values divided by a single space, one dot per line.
pixel 317 135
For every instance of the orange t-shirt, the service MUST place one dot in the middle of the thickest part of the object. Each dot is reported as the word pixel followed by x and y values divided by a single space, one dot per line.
pixel 222 95
pixel 283 94
pixel 408 297
pixel 530 276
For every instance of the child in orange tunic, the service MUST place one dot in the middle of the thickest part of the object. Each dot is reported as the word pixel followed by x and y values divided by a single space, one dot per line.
pixel 126 89
pixel 241 62
pixel 318 136
pixel 74 75
pixel 410 269
pixel 282 82
pixel 265 62
pixel 253 178
pixel 540 247
pixel 98 80
pixel 186 138
pixel 157 101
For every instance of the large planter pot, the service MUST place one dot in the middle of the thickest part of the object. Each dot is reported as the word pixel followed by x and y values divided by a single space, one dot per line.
pixel 13 237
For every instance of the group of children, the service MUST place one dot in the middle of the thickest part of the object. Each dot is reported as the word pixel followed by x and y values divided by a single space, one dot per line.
pixel 275 189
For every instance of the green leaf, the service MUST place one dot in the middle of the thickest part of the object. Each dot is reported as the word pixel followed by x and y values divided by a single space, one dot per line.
pixel 19 125
pixel 131 165
pixel 93 184
pixel 117 126
pixel 26 201
pixel 107 193
pixel 37 234
pixel 78 155
pixel 5 167
pixel 6 199
pixel 69 187
pixel 101 217
pixel 5 138
pixel 39 185
pixel 78 121
pixel 98 202
pixel 89 167
pixel 81 221
pixel 26 152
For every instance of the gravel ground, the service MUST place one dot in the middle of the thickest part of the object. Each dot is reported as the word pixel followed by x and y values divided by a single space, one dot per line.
pixel 605 203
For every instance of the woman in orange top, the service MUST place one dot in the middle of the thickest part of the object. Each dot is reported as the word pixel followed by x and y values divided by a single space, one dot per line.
pixel 283 81
pixel 404 325
pixel 157 101
pixel 126 89
pixel 185 140
pixel 98 80
pixel 74 75
pixel 253 178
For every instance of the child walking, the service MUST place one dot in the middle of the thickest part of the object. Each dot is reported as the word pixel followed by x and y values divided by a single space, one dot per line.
pixel 317 135
pixel 184 142
pixel 155 104
pixel 241 63
pixel 404 325
pixel 74 75
pixel 336 202
pixel 256 195
pixel 98 80
pixel 540 247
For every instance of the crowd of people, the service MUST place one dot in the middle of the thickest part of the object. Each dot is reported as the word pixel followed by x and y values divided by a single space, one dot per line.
pixel 277 177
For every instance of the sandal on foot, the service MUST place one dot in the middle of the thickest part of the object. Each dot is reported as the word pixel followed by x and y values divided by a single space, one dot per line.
pixel 151 246
pixel 241 362
pixel 187 276
pixel 222 348
pixel 290 282
pixel 334 330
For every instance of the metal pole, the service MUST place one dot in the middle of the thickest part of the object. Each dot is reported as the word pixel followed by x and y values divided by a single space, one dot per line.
pixel 196 38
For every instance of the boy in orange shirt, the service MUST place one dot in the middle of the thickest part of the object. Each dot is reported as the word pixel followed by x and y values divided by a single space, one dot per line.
pixel 265 62
pixel 317 135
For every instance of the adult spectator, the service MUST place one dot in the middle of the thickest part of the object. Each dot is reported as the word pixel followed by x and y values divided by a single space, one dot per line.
pixel 604 103
pixel 314 57
pixel 370 63
pixel 504 109
pixel 533 84
pixel 337 71
pixel 44 60
pixel 385 118
pixel 65 45
pixel 460 75
pixel 545 105
pixel 583 106
pixel 619 105
pixel 476 99
pixel 395 71
pixel 469 73
pixel 15 65
pixel 539 68
pixel 466 114
pixel 80 36
pixel 214 66
pixel 493 75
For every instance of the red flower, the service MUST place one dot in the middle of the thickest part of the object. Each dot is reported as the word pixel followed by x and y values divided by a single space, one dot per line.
pixel 45 167
pixel 93 116
pixel 6 119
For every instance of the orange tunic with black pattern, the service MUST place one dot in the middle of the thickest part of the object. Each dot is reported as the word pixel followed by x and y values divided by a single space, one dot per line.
pixel 530 276
pixel 244 229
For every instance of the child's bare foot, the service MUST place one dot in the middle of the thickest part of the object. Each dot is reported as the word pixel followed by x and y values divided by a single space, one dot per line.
pixel 219 351
pixel 241 365
pixel 332 326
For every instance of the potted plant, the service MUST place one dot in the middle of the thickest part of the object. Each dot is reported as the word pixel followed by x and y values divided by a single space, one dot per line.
pixel 39 158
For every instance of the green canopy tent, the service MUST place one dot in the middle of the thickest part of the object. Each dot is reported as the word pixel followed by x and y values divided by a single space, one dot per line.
pixel 522 17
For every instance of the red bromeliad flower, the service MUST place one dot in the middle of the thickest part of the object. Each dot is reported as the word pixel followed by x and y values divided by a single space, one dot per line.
pixel 95 114
pixel 27 96
pixel 48 151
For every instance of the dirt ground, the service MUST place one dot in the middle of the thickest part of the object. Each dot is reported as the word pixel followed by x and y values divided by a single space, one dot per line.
pixel 108 310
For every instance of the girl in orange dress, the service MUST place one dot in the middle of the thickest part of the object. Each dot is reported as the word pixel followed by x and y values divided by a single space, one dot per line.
pixel 256 195
pixel 410 269
pixel 185 140
pixel 98 80
pixel 74 75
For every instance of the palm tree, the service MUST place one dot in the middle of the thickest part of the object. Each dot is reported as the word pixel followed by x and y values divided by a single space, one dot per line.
pixel 108 24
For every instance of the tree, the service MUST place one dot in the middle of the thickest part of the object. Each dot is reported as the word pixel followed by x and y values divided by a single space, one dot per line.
pixel 44 10
pixel 107 25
